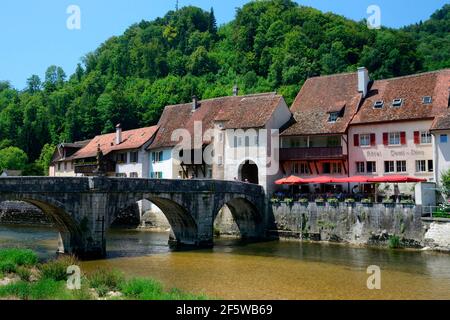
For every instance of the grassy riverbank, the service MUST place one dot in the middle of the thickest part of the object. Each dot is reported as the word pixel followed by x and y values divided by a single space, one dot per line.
pixel 23 277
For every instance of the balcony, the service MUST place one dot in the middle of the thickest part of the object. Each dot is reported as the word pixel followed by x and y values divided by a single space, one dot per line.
pixel 88 169
pixel 327 153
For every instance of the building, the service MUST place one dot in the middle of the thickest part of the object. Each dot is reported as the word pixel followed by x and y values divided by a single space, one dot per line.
pixel 123 152
pixel 218 127
pixel 391 132
pixel 316 142
pixel 10 173
pixel 62 164
pixel 441 151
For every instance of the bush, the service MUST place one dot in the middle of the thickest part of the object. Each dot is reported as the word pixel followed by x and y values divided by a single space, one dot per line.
pixel 7 267
pixel 57 269
pixel 142 289
pixel 105 280
pixel 41 290
pixel 394 242
pixel 24 273
pixel 20 257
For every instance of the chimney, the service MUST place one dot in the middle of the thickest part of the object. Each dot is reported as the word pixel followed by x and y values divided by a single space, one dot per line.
pixel 363 81
pixel 194 103
pixel 235 90
pixel 118 134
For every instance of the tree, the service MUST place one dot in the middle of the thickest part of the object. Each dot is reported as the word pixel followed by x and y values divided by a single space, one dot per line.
pixel 13 158
pixel 34 84
pixel 212 23
pixel 43 162
pixel 54 78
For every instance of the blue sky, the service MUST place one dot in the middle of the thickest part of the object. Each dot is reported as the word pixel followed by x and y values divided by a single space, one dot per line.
pixel 34 33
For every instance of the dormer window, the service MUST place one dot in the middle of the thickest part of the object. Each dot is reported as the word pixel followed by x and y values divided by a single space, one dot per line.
pixel 427 100
pixel 378 104
pixel 397 103
pixel 333 116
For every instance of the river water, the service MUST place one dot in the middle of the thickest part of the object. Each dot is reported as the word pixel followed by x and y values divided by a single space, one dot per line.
pixel 269 270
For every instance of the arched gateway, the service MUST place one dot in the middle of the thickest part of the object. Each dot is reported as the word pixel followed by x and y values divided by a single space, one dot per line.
pixel 84 208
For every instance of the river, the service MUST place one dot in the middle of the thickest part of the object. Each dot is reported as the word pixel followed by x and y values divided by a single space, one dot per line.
pixel 269 270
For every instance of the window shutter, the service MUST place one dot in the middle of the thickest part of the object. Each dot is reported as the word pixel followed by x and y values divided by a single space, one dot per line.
pixel 356 140
pixel 373 139
pixel 386 138
pixel 403 137
pixel 416 137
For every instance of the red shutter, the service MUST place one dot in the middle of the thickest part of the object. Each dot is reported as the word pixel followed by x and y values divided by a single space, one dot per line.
pixel 356 140
pixel 416 137
pixel 385 138
pixel 373 139
pixel 403 137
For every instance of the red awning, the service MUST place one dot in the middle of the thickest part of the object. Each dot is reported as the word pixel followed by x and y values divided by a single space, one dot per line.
pixel 396 179
pixel 355 179
pixel 323 179
pixel 292 180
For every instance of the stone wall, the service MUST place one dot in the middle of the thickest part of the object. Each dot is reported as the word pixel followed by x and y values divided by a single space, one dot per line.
pixel 16 212
pixel 437 236
pixel 352 224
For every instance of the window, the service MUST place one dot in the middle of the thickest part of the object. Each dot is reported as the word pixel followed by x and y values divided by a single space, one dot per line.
pixel 65 166
pixel 427 100
pixel 156 175
pixel 157 156
pixel 425 137
pixel 134 175
pixel 326 167
pixel 401 166
pixel 397 103
pixel 394 138
pixel 334 141
pixel 300 168
pixel 333 116
pixel 121 175
pixel 360 167
pixel 295 167
pixel 219 160
pixel 336 167
pixel 421 166
pixel 134 157
pixel 430 166
pixel 371 167
pixel 220 137
pixel 121 157
pixel 364 140
pixel 256 140
pixel 237 141
pixel 389 166
pixel 443 138
pixel 59 166
pixel 378 104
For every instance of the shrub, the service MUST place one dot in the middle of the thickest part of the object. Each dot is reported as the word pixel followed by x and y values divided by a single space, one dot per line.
pixel 394 242
pixel 20 257
pixel 43 289
pixel 288 200
pixel 142 289
pixel 57 269
pixel 105 280
pixel 24 273
pixel 7 267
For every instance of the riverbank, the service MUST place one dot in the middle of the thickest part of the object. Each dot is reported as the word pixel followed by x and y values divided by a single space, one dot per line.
pixel 23 277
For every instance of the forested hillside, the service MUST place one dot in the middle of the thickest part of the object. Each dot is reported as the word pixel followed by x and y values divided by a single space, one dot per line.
pixel 270 45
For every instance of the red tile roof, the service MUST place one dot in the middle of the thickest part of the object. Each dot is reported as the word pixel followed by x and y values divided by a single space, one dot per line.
pixel 131 139
pixel 250 111
pixel 318 97
pixel 412 89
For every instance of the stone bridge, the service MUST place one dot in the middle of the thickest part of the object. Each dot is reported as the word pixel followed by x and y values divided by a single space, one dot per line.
pixel 84 208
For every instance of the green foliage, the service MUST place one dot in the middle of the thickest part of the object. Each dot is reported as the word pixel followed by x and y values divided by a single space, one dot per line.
pixel 270 46
pixel 57 269
pixel 104 280
pixel 394 242
pixel 43 162
pixel 19 257
pixel 7 267
pixel 44 289
pixel 13 158
pixel 445 180
pixel 24 273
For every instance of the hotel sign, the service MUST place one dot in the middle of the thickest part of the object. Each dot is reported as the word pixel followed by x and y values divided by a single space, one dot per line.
pixel 394 153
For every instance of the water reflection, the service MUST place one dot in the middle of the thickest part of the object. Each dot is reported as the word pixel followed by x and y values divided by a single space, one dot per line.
pixel 268 270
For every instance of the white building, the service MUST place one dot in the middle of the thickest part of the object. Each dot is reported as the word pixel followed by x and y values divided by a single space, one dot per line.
pixel 441 150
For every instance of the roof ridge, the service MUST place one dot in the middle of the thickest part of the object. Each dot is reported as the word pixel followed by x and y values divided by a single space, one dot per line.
pixel 333 75
pixel 251 95
pixel 415 75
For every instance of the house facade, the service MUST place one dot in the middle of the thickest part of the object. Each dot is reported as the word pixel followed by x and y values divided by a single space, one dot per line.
pixel 62 163
pixel 441 145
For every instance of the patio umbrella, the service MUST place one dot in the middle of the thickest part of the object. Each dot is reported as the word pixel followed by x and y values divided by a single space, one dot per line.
pixel 396 179
pixel 354 179
pixel 292 180
pixel 322 179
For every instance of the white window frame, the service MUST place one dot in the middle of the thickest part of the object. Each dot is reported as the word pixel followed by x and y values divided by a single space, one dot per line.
pixel 360 165
pixel 425 137
pixel 401 162
pixel 364 140
pixel 421 166
pixel 390 163
pixel 374 167
pixel 393 136
pixel 333 117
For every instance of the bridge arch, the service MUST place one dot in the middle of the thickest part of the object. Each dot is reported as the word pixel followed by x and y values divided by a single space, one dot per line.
pixel 245 213
pixel 70 234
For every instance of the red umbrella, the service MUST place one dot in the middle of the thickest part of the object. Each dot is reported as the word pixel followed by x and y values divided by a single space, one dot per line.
pixel 355 179
pixel 322 179
pixel 396 179
pixel 292 180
